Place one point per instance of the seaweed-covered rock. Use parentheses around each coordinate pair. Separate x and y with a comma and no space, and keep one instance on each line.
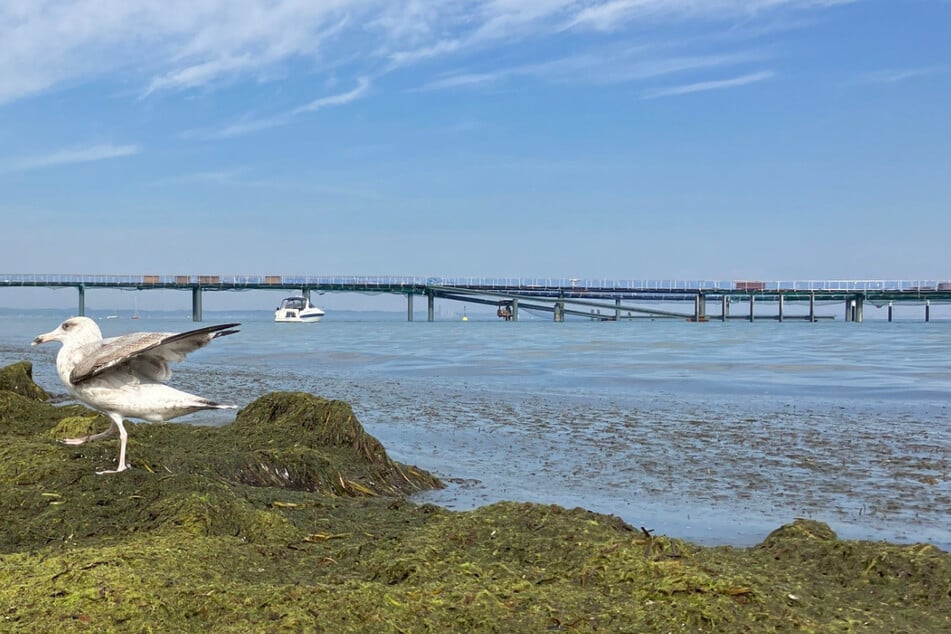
(303,441)
(21,416)
(284,439)
(831,573)
(800,530)
(194,478)
(18,378)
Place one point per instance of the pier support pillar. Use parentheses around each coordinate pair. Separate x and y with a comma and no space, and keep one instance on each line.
(82,299)
(700,307)
(617,309)
(196,303)
(559,311)
(305,293)
(855,309)
(514,309)
(430,305)
(782,301)
(409,307)
(812,307)
(752,304)
(891,307)
(927,310)
(724,308)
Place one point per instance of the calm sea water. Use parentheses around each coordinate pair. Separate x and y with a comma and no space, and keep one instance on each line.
(714,432)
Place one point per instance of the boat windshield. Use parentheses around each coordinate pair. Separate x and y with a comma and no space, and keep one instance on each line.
(294,302)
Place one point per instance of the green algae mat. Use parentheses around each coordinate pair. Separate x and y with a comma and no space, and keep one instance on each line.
(293,519)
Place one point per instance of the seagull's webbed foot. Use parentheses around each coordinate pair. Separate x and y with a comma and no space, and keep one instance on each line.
(119,470)
(75,441)
(84,439)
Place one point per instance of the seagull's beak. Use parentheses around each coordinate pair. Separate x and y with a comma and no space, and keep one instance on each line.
(49,336)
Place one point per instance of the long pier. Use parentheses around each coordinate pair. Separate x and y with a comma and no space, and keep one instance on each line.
(560,297)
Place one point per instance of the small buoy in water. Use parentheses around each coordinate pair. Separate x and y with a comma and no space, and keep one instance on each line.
(465,318)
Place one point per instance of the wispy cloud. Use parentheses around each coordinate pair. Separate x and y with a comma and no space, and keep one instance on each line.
(497,21)
(703,86)
(250,125)
(363,86)
(898,75)
(240,128)
(199,74)
(611,15)
(165,46)
(233,176)
(73,155)
(462,80)
(607,66)
(615,14)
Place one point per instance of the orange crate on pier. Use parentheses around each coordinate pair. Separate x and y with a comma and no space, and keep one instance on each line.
(209,279)
(272,279)
(750,286)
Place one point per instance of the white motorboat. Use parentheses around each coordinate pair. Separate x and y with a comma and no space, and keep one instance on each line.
(297,310)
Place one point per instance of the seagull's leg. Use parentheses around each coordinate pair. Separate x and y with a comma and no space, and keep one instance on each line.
(123,437)
(84,439)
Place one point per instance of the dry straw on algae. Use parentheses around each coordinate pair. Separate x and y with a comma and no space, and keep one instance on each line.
(294,519)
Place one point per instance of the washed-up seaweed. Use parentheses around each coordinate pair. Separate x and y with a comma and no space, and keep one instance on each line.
(292,519)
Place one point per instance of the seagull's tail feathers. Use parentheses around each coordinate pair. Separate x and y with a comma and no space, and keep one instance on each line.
(190,406)
(207,404)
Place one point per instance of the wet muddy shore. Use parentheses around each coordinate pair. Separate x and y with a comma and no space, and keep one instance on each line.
(293,518)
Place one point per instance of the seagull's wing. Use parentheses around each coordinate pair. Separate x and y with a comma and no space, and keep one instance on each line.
(146,353)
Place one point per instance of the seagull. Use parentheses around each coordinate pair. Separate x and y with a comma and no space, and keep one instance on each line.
(125,376)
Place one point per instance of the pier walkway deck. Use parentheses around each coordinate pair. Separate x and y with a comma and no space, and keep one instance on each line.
(575,296)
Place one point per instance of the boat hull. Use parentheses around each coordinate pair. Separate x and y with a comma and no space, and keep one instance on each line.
(285,317)
(297,310)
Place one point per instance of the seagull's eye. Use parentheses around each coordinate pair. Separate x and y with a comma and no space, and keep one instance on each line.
(67,326)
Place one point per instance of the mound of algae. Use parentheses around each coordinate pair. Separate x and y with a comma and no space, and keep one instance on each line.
(293,519)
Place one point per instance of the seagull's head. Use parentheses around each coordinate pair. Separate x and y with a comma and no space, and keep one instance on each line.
(76,330)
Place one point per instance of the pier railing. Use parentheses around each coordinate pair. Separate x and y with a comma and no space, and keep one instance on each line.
(370,282)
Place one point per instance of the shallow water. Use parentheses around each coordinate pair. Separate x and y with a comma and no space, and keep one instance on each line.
(714,432)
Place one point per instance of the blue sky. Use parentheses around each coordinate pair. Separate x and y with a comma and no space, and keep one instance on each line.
(629,139)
